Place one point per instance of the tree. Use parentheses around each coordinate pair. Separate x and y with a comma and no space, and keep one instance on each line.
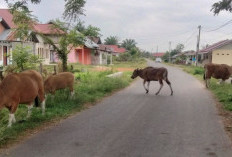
(165,57)
(134,51)
(24,22)
(112,40)
(69,40)
(23,59)
(88,31)
(222,5)
(179,48)
(72,10)
(128,44)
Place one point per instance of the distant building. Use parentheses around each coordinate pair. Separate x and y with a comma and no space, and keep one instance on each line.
(8,41)
(219,53)
(158,56)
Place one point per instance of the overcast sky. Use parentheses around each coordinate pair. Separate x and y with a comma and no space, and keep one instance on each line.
(151,23)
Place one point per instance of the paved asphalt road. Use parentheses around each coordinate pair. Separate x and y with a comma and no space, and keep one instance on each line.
(131,123)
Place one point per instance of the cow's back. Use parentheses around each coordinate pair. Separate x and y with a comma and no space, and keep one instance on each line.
(153,73)
(23,86)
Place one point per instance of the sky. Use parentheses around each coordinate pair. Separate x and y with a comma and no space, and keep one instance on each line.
(151,23)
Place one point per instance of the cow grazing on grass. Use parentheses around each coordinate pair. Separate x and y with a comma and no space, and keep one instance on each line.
(217,71)
(152,74)
(59,81)
(21,88)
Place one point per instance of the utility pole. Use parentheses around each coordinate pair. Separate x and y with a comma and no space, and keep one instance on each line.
(157,48)
(198,43)
(170,51)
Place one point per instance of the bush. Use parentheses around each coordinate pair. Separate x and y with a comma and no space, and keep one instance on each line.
(198,71)
(23,59)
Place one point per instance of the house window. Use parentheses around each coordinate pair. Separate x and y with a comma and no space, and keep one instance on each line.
(1,53)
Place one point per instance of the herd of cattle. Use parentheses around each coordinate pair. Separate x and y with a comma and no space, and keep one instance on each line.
(29,86)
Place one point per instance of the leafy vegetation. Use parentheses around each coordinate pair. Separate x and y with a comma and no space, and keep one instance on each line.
(112,40)
(222,5)
(129,44)
(89,30)
(23,59)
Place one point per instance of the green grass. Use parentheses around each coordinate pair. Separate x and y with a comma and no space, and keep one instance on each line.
(140,63)
(223,92)
(90,87)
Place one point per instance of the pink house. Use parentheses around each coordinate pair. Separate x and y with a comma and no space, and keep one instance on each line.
(86,54)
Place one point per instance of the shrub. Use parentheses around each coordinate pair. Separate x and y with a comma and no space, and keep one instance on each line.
(23,59)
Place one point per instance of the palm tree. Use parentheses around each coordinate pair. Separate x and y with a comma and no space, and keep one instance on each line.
(128,44)
(112,40)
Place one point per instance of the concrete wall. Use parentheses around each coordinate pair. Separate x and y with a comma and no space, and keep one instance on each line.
(223,55)
(73,55)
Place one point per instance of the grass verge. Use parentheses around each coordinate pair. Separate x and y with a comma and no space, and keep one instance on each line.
(90,87)
(223,92)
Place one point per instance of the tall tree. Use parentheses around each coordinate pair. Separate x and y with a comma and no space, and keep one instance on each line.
(179,48)
(128,44)
(24,22)
(112,40)
(222,5)
(72,10)
(88,31)
(69,40)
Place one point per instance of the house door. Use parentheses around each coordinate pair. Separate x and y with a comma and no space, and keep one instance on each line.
(80,57)
(4,55)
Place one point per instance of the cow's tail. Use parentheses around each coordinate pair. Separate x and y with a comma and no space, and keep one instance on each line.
(37,101)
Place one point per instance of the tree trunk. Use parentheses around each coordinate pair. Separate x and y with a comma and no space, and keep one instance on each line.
(64,64)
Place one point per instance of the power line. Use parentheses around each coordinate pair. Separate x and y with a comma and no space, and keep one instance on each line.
(186,41)
(228,22)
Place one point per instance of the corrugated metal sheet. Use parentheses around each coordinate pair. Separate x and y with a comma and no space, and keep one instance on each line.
(215,46)
(90,44)
(5,34)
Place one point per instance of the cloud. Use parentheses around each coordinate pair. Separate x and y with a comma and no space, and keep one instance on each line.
(151,23)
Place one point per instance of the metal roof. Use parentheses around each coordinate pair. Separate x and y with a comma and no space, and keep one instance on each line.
(215,46)
(5,34)
(90,44)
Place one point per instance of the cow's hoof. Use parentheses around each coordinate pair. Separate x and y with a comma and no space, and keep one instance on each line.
(147,91)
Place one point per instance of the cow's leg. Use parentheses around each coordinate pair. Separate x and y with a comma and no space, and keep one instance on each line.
(207,82)
(161,86)
(169,84)
(148,84)
(144,82)
(29,108)
(42,99)
(11,115)
(72,92)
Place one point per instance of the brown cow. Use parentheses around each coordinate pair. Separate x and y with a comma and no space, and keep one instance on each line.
(152,74)
(59,81)
(21,88)
(218,71)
